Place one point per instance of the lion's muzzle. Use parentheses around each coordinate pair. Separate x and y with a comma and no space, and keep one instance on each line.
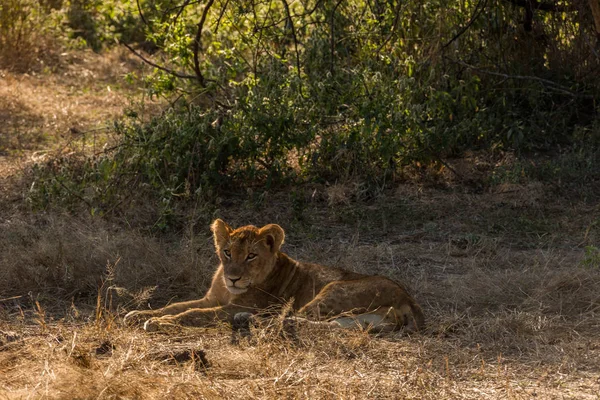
(237,285)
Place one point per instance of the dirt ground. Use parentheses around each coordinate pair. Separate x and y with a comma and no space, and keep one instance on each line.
(508,278)
(71,106)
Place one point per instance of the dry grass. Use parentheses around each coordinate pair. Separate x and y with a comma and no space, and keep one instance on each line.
(512,310)
(63,257)
(509,316)
(68,108)
(29,38)
(64,110)
(70,360)
(84,94)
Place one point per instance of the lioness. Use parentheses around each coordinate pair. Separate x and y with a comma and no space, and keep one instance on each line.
(254,275)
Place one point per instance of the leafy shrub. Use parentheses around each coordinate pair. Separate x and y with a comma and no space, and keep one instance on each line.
(367,69)
(100,23)
(337,90)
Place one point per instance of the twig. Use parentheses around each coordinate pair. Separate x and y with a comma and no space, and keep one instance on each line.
(140,12)
(221,16)
(10,298)
(257,48)
(295,16)
(72,192)
(181,8)
(167,70)
(478,11)
(449,167)
(553,85)
(108,149)
(333,36)
(293,30)
(309,12)
(132,183)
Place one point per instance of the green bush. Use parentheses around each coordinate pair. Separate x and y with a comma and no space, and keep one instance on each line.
(328,91)
(103,23)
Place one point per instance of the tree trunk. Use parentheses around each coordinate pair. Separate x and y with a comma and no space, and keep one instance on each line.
(595,6)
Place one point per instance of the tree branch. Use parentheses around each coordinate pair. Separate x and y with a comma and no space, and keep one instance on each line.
(552,85)
(197,46)
(293,31)
(221,16)
(332,44)
(167,70)
(71,192)
(536,5)
(595,7)
(140,12)
(181,8)
(307,13)
(478,11)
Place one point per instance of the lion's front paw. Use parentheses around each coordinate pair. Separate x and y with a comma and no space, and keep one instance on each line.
(151,325)
(130,317)
(158,323)
(137,317)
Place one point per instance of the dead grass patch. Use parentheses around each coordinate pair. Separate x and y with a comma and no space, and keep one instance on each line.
(323,364)
(68,258)
(63,111)
(76,102)
(503,321)
(512,311)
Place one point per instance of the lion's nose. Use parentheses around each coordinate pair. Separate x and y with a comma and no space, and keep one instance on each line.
(234,280)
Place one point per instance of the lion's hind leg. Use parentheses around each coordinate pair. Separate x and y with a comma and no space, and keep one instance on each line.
(379,321)
(373,302)
(384,319)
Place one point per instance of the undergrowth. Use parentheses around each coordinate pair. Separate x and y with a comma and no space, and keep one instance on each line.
(275,95)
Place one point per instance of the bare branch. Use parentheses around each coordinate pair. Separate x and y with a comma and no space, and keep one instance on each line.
(140,12)
(167,70)
(551,85)
(478,11)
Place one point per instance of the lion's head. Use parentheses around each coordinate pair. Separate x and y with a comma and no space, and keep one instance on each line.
(247,254)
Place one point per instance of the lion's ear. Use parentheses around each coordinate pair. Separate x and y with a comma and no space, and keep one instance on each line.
(220,232)
(273,235)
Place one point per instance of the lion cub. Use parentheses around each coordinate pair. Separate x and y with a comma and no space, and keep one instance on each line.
(254,275)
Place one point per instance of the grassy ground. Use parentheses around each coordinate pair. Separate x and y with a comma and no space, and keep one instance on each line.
(508,279)
(67,108)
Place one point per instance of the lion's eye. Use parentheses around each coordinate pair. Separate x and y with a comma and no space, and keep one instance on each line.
(227,253)
(250,257)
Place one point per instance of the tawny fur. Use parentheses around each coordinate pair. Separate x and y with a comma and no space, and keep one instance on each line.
(254,275)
